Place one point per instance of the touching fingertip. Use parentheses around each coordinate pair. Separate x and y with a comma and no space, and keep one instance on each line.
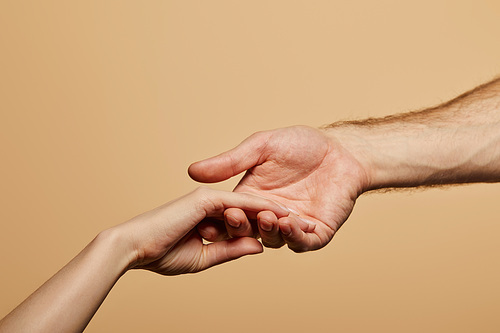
(310,224)
(232,221)
(285,229)
(255,245)
(266,225)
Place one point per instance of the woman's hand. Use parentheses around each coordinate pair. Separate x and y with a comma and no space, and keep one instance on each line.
(165,240)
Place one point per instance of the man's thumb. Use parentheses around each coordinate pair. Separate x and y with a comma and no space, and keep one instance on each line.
(228,164)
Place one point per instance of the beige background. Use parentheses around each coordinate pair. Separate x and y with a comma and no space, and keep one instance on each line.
(103,105)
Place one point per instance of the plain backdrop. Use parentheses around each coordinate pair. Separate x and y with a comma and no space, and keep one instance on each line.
(104,104)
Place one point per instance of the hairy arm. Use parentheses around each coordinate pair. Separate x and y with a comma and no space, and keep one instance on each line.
(457,142)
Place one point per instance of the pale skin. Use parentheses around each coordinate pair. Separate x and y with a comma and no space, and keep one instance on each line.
(319,173)
(163,240)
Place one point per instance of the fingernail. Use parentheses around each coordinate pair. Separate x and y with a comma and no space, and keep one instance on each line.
(266,226)
(233,222)
(285,229)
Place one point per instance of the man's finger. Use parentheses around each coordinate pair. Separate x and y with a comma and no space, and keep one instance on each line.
(228,164)
(305,225)
(296,239)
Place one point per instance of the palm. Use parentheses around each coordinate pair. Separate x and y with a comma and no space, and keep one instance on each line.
(299,167)
(320,184)
(185,257)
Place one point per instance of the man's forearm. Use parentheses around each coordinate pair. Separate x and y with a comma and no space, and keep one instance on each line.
(457,142)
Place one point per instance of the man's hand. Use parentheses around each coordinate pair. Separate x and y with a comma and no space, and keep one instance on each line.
(319,174)
(300,167)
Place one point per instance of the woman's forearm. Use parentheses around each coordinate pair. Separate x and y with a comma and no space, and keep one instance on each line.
(163,240)
(457,142)
(67,301)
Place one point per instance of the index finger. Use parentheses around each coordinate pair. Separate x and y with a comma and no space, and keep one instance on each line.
(216,202)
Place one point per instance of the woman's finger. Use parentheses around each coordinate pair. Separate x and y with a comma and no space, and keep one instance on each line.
(215,202)
(269,230)
(221,252)
(212,230)
(237,223)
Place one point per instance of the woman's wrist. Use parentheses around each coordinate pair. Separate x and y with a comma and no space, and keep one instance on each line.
(117,246)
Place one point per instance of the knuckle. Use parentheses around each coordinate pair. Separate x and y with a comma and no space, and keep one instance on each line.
(259,134)
(202,191)
(205,200)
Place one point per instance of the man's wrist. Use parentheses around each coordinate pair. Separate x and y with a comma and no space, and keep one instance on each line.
(353,141)
(384,152)
(409,153)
